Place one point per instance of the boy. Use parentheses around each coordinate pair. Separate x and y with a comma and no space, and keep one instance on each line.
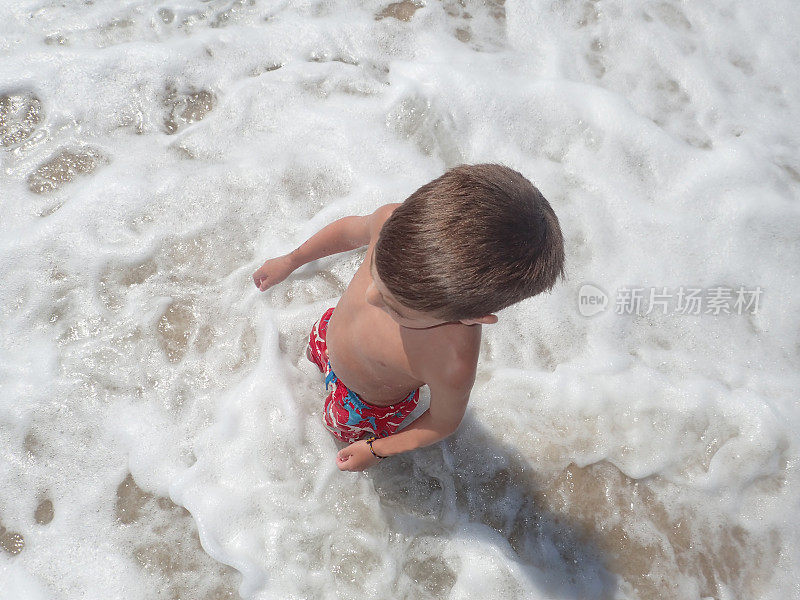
(438,266)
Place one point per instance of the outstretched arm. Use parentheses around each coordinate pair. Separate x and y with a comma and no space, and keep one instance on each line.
(342,235)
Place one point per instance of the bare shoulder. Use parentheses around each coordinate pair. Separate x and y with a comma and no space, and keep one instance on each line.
(378,218)
(450,359)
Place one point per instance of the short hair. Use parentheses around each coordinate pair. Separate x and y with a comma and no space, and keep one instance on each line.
(469,243)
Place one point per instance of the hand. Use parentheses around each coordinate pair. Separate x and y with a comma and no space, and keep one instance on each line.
(355,457)
(273,272)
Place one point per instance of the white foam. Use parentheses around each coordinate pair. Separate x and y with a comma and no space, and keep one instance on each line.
(155,153)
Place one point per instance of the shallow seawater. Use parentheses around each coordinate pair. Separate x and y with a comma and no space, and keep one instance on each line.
(159,424)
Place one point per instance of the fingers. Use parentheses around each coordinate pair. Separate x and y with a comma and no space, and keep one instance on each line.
(259,277)
(260,280)
(341,461)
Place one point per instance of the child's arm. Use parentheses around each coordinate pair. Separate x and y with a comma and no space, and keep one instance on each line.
(345,234)
(449,396)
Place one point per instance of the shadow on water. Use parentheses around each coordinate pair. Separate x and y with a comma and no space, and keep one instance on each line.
(475,483)
(585,532)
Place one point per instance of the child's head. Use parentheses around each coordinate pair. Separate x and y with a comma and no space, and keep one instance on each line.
(472,242)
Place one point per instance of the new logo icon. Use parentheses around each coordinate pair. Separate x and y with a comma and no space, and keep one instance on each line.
(591,300)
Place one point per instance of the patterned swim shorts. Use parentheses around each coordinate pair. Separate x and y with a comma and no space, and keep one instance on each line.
(346,415)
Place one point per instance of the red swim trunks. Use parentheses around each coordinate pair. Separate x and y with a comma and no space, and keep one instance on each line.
(346,415)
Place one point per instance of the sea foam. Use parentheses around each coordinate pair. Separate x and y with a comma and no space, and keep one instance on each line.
(160,425)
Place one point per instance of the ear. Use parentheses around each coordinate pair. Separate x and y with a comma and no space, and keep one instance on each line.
(484,320)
